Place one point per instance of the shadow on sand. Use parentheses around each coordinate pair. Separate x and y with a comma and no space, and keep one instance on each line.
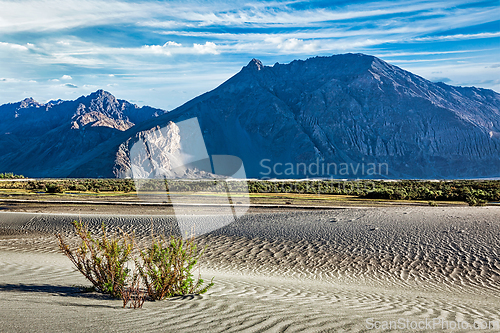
(74,291)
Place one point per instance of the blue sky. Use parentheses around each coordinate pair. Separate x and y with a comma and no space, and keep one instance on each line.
(163,53)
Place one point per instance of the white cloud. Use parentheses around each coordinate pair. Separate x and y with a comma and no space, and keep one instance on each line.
(162,49)
(207,48)
(15,46)
(170,48)
(66,77)
(159,24)
(9,80)
(458,37)
(171,43)
(293,44)
(273,30)
(158,49)
(280,15)
(33,15)
(421,53)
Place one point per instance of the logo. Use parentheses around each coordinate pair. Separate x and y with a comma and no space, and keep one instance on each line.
(170,164)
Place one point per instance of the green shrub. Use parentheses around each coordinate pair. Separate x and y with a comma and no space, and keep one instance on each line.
(10,175)
(54,188)
(102,261)
(474,201)
(380,194)
(399,194)
(165,268)
(77,187)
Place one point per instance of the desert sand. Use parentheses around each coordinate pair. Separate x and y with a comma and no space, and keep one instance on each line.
(337,270)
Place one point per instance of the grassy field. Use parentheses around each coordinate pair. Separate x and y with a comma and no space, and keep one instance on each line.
(320,192)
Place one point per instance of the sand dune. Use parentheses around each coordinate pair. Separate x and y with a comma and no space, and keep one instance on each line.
(335,270)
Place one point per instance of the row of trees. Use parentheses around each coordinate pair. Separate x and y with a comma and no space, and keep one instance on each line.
(10,175)
(473,192)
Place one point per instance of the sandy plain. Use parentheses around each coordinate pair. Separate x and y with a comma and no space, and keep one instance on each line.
(276,270)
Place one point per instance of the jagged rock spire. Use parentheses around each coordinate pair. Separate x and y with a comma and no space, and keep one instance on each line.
(255,64)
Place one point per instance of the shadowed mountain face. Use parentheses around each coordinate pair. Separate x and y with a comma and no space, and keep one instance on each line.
(37,139)
(345,116)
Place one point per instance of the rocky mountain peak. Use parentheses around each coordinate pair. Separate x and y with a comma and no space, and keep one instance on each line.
(100,94)
(101,97)
(101,102)
(55,102)
(102,109)
(255,64)
(29,102)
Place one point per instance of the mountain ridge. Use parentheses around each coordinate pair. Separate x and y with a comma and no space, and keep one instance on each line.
(349,108)
(37,138)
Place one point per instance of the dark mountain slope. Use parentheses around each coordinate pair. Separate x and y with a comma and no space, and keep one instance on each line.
(351,108)
(356,114)
(36,139)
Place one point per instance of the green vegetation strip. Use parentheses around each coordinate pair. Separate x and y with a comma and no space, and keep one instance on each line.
(10,175)
(474,192)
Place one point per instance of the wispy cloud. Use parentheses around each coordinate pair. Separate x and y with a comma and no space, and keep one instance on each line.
(458,37)
(33,15)
(207,48)
(293,44)
(4,79)
(13,46)
(123,44)
(171,47)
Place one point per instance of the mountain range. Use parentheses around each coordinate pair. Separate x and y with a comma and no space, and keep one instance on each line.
(344,116)
(43,140)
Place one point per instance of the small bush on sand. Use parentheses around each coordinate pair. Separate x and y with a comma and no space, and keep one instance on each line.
(162,270)
(102,261)
(165,268)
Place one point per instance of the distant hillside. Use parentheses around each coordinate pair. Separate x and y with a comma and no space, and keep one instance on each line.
(39,139)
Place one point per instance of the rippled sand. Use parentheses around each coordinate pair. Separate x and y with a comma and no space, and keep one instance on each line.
(331,270)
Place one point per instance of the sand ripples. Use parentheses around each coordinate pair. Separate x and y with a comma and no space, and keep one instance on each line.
(298,272)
